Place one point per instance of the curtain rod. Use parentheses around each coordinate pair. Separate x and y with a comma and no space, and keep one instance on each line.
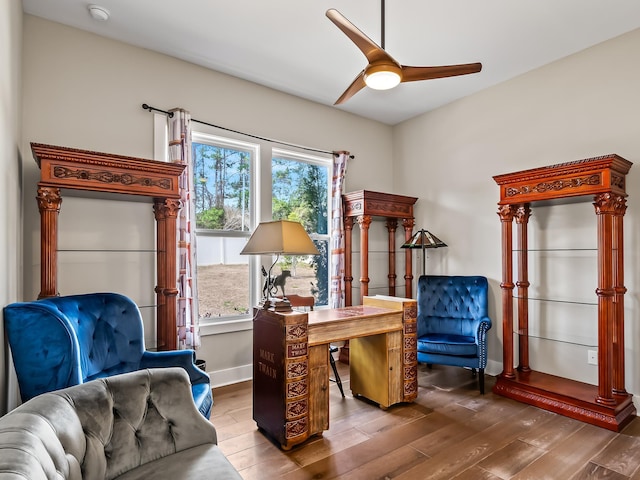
(170,114)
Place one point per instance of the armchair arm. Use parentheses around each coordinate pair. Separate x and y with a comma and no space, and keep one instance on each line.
(484,324)
(175,358)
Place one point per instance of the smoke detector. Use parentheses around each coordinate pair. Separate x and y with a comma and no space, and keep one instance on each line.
(98,13)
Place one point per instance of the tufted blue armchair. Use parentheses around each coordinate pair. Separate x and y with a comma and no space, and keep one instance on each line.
(63,341)
(453,322)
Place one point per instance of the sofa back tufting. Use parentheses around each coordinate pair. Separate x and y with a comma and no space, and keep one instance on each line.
(106,428)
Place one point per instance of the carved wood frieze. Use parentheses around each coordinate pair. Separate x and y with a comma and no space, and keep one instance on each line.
(365,202)
(110,177)
(590,176)
(87,170)
(556,185)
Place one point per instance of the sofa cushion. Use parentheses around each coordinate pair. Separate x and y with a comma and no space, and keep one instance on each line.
(447,344)
(201,462)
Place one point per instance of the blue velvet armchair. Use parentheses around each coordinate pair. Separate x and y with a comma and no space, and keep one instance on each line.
(453,322)
(63,341)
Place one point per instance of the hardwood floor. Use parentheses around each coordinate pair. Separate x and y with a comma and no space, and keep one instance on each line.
(451,431)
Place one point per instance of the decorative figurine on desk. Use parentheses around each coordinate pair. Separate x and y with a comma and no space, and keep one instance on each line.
(271,284)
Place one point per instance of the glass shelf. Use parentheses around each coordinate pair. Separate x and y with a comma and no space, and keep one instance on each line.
(533,250)
(106,250)
(565,322)
(576,302)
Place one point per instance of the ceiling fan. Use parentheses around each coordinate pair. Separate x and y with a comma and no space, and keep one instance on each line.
(383,71)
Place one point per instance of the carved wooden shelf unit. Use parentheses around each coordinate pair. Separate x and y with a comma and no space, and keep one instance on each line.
(62,167)
(601,179)
(362,206)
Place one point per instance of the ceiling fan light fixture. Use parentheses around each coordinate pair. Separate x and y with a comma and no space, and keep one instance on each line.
(382,77)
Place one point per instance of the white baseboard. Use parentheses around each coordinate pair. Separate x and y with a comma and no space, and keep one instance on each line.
(229,376)
(493,368)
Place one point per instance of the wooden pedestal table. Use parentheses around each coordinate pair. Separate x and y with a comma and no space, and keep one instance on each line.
(291,363)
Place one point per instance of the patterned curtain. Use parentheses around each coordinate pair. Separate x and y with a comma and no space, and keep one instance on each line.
(337,229)
(180,152)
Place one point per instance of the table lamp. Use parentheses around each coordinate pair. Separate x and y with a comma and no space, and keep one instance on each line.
(279,237)
(424,239)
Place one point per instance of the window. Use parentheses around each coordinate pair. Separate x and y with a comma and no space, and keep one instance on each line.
(294,186)
(299,188)
(223,172)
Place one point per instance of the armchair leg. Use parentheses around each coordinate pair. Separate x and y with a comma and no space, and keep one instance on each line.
(481,380)
(335,369)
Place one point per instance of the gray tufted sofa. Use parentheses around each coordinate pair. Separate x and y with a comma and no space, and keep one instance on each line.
(138,425)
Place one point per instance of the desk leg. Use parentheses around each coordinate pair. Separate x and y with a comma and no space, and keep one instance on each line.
(318,389)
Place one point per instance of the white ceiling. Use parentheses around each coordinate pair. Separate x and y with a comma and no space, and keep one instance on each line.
(290,45)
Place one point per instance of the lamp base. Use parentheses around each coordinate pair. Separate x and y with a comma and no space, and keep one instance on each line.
(276,304)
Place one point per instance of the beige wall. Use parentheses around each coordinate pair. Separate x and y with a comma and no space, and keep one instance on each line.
(10,165)
(583,106)
(85,91)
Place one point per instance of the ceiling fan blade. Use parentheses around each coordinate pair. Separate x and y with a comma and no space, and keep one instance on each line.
(412,74)
(357,85)
(371,50)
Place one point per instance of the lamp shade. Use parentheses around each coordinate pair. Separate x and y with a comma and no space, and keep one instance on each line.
(424,239)
(281,237)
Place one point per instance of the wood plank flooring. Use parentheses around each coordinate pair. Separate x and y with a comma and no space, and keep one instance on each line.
(450,432)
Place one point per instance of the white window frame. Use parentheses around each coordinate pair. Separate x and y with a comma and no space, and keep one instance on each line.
(233,323)
(323,162)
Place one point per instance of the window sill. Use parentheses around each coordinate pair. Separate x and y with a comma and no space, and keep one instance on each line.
(225,326)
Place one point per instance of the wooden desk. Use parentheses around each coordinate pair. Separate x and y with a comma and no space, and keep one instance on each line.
(291,363)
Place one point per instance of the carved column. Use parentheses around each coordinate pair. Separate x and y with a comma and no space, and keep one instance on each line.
(348,261)
(392,225)
(161,272)
(506,213)
(364,221)
(49,201)
(172,208)
(408,224)
(166,212)
(522,215)
(605,205)
(618,303)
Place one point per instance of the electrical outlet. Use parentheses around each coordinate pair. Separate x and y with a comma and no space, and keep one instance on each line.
(592,357)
